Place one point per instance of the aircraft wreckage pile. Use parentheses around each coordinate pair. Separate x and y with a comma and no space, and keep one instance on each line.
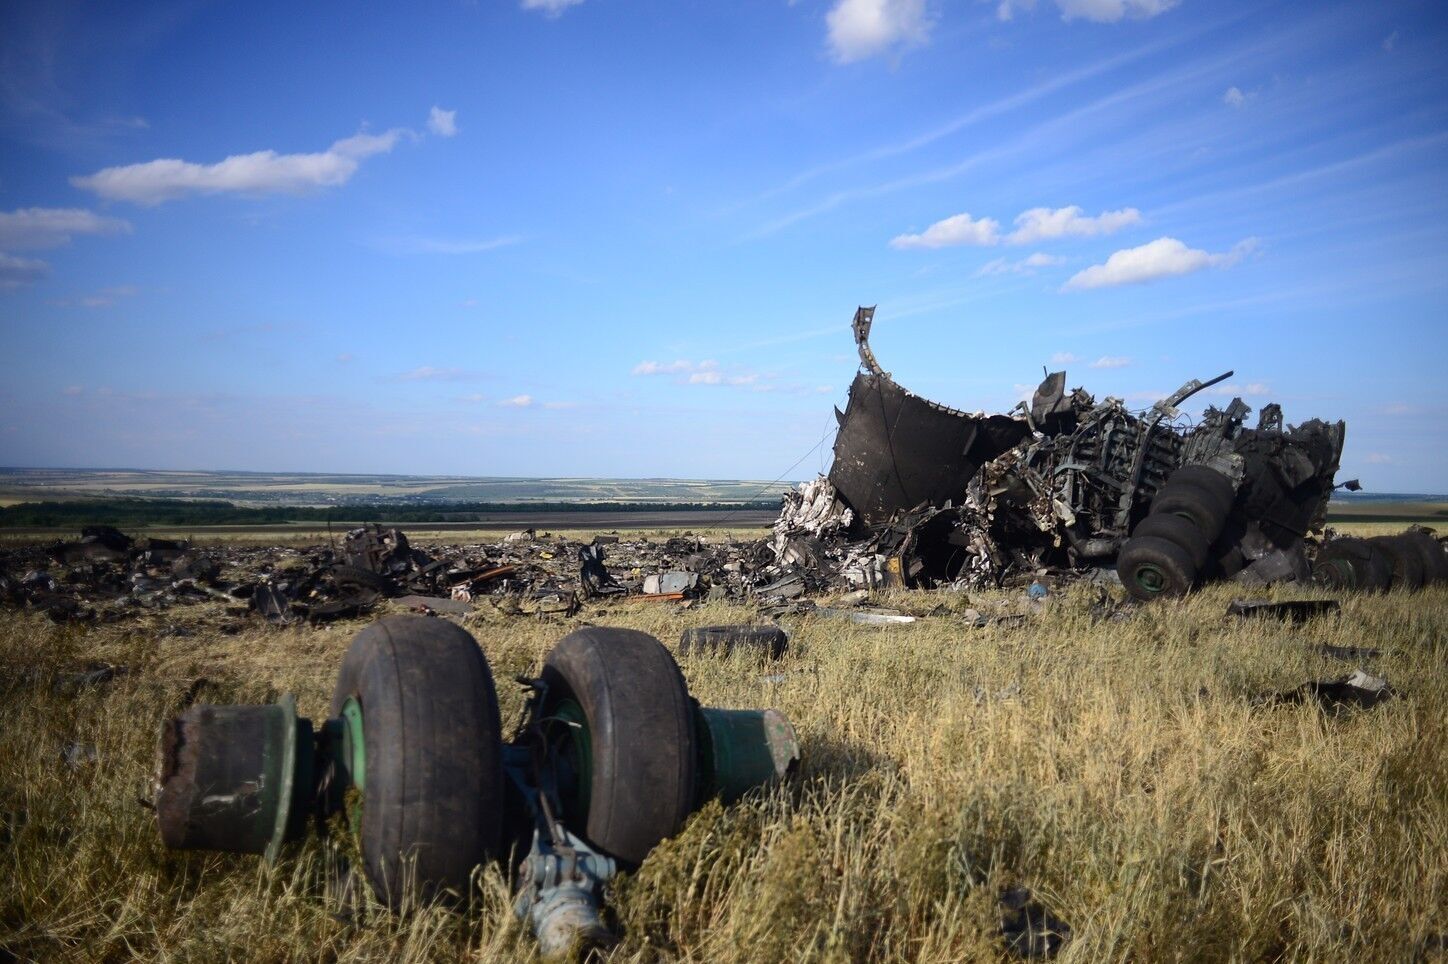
(919,496)
(923,495)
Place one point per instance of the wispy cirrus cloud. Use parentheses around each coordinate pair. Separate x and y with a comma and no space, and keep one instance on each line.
(425,245)
(858,29)
(257,173)
(32,228)
(1111,361)
(1162,258)
(1097,11)
(1027,265)
(430,373)
(104,298)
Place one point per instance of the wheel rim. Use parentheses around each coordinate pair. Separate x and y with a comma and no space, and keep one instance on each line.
(572,745)
(354,759)
(1150,578)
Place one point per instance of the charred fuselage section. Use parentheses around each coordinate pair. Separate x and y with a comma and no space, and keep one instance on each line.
(922,495)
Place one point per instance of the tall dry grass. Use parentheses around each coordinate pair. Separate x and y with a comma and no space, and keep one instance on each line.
(1116,767)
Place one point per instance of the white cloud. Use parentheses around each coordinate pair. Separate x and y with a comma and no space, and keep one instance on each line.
(1026,265)
(956,230)
(443,123)
(864,28)
(17,272)
(1111,361)
(663,368)
(1398,409)
(1064,358)
(1377,458)
(1006,9)
(1234,97)
(53,227)
(1110,11)
(1390,41)
(550,8)
(1233,390)
(427,373)
(261,172)
(517,401)
(1162,258)
(706,378)
(1039,224)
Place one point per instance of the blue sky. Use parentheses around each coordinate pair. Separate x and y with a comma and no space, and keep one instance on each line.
(609,238)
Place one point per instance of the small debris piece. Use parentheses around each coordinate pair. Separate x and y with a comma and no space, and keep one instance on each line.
(436,604)
(768,640)
(76,755)
(1356,691)
(866,617)
(1029,929)
(1293,610)
(670,582)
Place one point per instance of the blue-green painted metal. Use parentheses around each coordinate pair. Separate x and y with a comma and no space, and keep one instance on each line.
(743,749)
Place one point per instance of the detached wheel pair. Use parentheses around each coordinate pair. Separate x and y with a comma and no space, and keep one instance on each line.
(1172,546)
(424,747)
(1353,563)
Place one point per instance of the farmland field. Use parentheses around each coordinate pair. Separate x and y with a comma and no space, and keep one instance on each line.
(1115,764)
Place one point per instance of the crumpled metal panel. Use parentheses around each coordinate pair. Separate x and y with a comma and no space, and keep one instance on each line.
(896,450)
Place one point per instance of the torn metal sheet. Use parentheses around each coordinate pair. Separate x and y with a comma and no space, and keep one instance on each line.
(896,450)
(1292,610)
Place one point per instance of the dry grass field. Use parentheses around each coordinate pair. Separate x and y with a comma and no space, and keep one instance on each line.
(1117,767)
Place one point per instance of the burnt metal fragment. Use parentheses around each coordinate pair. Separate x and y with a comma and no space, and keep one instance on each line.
(1293,610)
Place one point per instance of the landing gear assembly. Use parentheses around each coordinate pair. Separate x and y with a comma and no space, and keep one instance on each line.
(611,757)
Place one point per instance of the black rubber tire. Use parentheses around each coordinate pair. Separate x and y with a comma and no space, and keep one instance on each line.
(641,727)
(1435,560)
(1169,563)
(771,641)
(1371,568)
(432,805)
(1196,504)
(1208,479)
(1174,528)
(344,575)
(1406,560)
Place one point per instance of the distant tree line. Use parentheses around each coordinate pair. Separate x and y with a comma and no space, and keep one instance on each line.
(181,512)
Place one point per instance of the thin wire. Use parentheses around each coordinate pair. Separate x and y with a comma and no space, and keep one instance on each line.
(769,485)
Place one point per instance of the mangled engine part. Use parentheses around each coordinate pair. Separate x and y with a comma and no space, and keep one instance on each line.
(611,757)
(896,451)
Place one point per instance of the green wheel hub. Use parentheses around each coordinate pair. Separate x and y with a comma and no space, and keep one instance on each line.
(569,734)
(1150,578)
(353,760)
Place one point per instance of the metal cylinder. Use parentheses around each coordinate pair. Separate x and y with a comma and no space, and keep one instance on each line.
(235,778)
(743,749)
